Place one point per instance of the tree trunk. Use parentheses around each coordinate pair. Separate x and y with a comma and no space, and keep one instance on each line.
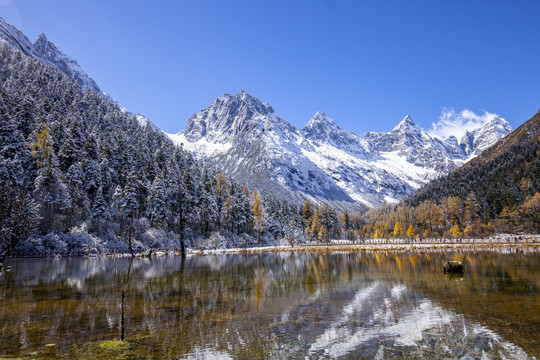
(122,319)
(5,253)
(181,231)
(2,257)
(182,245)
(130,230)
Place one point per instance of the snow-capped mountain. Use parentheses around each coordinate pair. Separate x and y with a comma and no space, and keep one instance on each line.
(251,143)
(247,140)
(46,52)
(322,129)
(476,141)
(64,63)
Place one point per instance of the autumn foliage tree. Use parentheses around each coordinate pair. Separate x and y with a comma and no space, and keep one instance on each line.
(259,216)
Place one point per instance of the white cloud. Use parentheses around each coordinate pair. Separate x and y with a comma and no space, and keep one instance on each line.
(453,123)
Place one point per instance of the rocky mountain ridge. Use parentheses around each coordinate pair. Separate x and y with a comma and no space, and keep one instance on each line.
(246,139)
(46,52)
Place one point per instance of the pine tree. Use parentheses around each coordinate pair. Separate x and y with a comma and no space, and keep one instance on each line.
(99,207)
(245,212)
(323,235)
(158,203)
(130,207)
(471,208)
(180,198)
(226,214)
(208,205)
(530,213)
(79,206)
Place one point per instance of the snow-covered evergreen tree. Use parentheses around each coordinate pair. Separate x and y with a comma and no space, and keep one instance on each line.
(158,202)
(99,207)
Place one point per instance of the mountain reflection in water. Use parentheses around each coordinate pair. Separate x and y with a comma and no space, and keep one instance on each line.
(294,305)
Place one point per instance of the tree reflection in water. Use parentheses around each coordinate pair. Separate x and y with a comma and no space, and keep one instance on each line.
(293,305)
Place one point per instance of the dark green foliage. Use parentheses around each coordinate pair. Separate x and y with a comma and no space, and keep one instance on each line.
(505,175)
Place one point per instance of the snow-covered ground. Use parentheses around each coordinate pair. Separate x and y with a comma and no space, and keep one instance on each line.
(159,242)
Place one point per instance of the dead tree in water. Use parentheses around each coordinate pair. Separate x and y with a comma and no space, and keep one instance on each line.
(122,319)
(181,229)
(123,303)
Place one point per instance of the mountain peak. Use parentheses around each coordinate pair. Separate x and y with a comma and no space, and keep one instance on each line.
(244,99)
(16,40)
(498,125)
(407,124)
(241,95)
(41,37)
(499,120)
(321,119)
(45,47)
(231,117)
(320,127)
(46,52)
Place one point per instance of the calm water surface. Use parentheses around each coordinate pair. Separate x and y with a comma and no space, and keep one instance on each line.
(302,305)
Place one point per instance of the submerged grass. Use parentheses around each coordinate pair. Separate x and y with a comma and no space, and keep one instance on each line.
(108,349)
(101,350)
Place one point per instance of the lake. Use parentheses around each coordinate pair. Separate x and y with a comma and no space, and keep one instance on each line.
(380,305)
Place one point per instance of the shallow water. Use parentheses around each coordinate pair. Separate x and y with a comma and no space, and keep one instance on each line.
(294,305)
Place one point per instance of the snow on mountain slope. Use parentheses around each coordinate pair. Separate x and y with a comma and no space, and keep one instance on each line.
(50,53)
(322,129)
(247,140)
(478,140)
(46,52)
(16,40)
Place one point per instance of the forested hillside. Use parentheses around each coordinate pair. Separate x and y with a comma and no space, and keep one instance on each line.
(505,179)
(78,173)
(497,191)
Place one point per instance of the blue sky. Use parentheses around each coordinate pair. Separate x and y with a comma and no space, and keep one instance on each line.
(364,63)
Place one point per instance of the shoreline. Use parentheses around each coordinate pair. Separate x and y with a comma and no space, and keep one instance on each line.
(364,248)
(372,245)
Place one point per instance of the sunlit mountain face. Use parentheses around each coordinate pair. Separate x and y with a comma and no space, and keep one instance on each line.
(247,139)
